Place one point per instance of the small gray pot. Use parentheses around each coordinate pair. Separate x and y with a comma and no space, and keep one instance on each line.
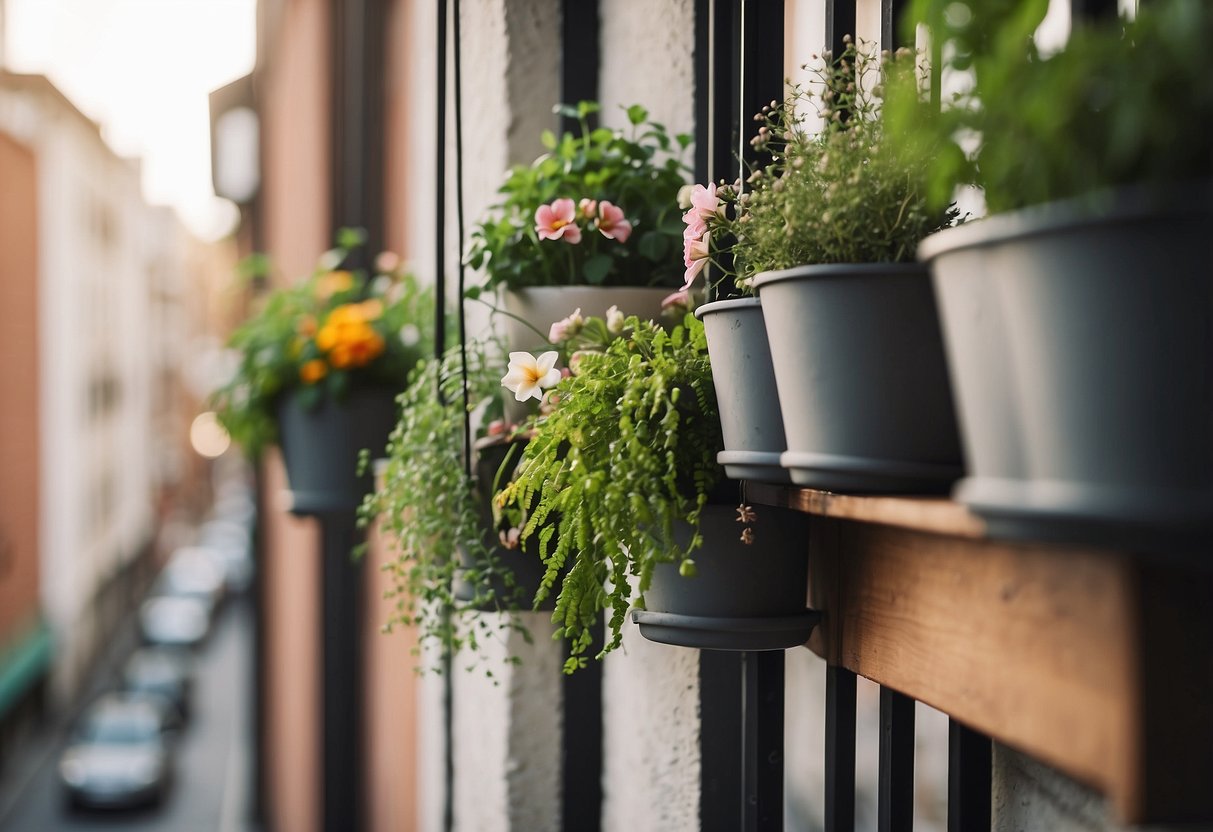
(743,596)
(320,447)
(517,572)
(745,390)
(542,306)
(863,384)
(1107,359)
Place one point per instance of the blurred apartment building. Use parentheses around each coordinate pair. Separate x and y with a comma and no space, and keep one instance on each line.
(94,284)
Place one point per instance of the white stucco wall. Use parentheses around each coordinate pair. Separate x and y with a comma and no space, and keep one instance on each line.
(507,733)
(648,58)
(650,714)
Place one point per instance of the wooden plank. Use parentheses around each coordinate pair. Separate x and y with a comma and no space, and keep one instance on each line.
(1095,662)
(926,514)
(1033,646)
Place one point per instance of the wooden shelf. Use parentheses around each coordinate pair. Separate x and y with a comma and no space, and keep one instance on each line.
(924,514)
(1097,662)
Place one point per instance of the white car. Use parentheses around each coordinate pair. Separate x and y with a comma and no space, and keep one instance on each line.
(119,755)
(193,572)
(174,621)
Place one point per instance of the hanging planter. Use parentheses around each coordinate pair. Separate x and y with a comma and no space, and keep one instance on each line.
(508,573)
(541,306)
(863,384)
(1105,373)
(742,596)
(321,445)
(744,378)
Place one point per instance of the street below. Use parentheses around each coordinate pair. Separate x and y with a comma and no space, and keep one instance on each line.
(211,787)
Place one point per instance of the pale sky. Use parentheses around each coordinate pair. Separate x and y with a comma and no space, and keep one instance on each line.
(143,69)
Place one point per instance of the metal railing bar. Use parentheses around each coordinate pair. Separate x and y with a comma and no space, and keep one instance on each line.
(762,740)
(896,784)
(840,750)
(968,779)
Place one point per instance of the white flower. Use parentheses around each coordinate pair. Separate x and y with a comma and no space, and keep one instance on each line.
(330,260)
(614,320)
(528,375)
(566,328)
(684,196)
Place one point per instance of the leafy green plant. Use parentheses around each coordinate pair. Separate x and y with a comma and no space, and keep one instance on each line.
(851,192)
(1123,102)
(617,472)
(432,513)
(598,208)
(337,330)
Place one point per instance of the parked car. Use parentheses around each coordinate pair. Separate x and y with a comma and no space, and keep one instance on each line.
(119,755)
(192,572)
(174,621)
(231,546)
(163,671)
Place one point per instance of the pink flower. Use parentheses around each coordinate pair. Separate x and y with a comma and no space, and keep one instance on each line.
(697,226)
(588,208)
(612,223)
(387,262)
(557,221)
(695,257)
(705,201)
(676,304)
(566,328)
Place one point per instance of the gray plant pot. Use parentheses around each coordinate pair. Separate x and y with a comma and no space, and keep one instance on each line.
(1107,312)
(745,390)
(320,447)
(542,306)
(743,596)
(516,572)
(863,383)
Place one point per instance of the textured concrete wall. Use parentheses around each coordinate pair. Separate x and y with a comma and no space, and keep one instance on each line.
(650,717)
(648,57)
(1029,796)
(508,733)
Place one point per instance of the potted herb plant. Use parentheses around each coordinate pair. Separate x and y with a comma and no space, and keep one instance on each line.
(1076,314)
(620,486)
(455,554)
(590,224)
(320,364)
(826,235)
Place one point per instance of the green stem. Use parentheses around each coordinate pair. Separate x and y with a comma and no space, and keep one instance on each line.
(499,311)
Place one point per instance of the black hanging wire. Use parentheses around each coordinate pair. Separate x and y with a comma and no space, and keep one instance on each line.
(463,335)
(448,659)
(440,199)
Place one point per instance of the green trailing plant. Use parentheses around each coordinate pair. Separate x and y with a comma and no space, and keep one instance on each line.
(617,472)
(1123,102)
(836,186)
(431,512)
(337,330)
(598,208)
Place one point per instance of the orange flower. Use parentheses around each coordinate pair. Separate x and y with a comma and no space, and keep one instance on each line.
(312,371)
(371,309)
(306,326)
(348,339)
(332,283)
